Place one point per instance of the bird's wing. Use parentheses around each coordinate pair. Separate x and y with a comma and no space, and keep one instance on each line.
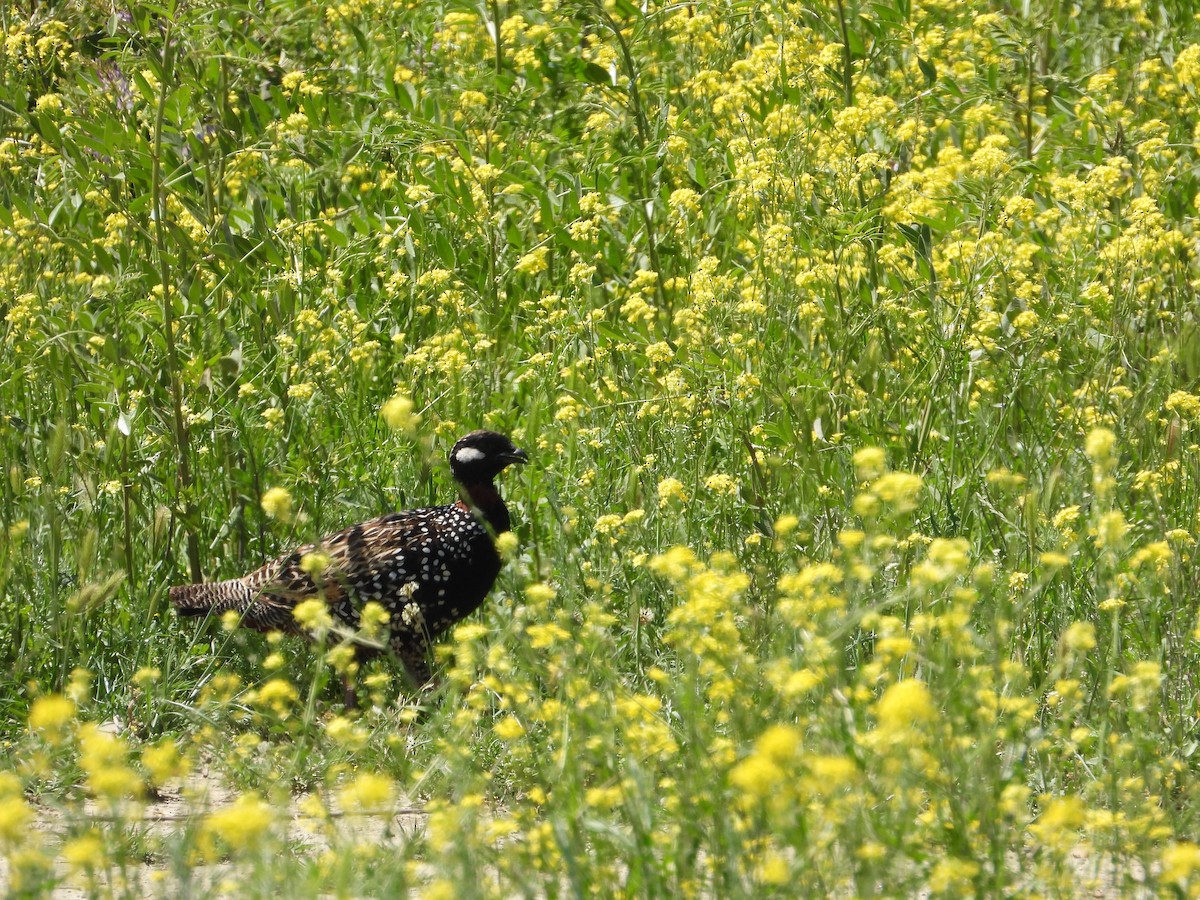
(372,559)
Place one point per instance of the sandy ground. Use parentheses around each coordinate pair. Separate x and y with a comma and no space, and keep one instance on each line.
(202,794)
(1096,877)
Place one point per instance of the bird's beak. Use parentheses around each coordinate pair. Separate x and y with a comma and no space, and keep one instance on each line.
(517,456)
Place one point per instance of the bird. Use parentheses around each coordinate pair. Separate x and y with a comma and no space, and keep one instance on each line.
(428,568)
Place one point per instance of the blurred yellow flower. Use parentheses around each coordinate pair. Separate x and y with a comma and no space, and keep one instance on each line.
(50,715)
(870,463)
(314,563)
(533,262)
(345,733)
(277,504)
(896,491)
(146,676)
(15,816)
(1099,446)
(164,761)
(374,618)
(313,615)
(1187,66)
(1079,637)
(278,694)
(242,824)
(103,756)
(508,728)
(85,852)
(758,776)
(1111,529)
(1060,821)
(398,414)
(540,594)
(785,525)
(368,792)
(1180,862)
(904,705)
(507,544)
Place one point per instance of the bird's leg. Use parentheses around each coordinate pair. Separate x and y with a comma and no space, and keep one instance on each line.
(415,657)
(349,692)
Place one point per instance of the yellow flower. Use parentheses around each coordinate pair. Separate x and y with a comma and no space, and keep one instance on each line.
(1062,817)
(676,564)
(506,544)
(770,765)
(533,262)
(15,816)
(302,391)
(898,491)
(102,756)
(870,463)
(163,761)
(1184,405)
(342,658)
(757,776)
(1052,561)
(545,634)
(50,715)
(1099,446)
(953,875)
(243,823)
(831,773)
(1180,861)
(368,793)
(851,539)
(314,563)
(84,852)
(785,525)
(313,615)
(346,733)
(147,675)
(603,798)
(670,490)
(277,504)
(540,594)
(1065,518)
(1111,529)
(1187,66)
(1079,637)
(508,728)
(774,869)
(279,694)
(722,484)
(905,705)
(49,103)
(374,618)
(947,558)
(398,414)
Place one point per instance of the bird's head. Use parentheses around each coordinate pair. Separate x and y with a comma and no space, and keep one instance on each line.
(481,455)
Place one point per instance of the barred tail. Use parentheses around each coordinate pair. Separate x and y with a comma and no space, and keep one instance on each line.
(258,611)
(215,597)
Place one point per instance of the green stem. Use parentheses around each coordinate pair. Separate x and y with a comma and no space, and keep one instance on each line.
(847,62)
(183,482)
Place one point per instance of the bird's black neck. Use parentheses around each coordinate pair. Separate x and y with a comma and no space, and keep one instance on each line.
(483,496)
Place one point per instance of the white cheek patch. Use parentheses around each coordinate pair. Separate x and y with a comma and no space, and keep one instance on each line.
(468,455)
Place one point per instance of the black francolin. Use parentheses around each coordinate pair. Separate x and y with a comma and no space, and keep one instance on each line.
(429,568)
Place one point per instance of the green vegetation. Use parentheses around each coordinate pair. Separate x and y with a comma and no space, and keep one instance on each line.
(856,345)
